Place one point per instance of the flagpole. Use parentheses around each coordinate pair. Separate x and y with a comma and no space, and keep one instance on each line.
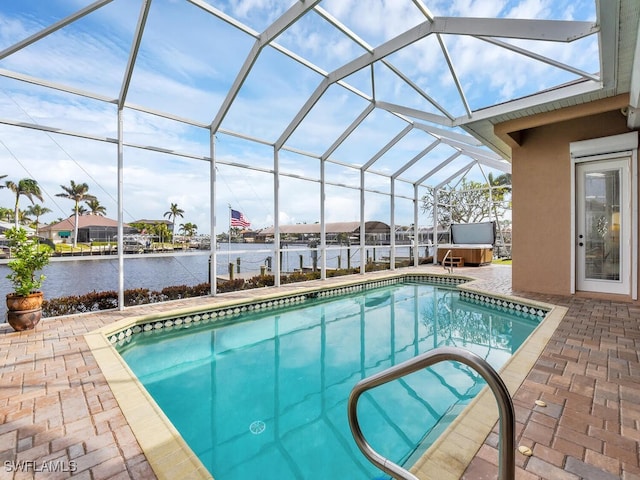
(229,244)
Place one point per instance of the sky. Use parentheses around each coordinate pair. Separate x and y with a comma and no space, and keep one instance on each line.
(188,61)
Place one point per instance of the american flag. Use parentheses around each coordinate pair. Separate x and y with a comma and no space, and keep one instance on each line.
(238,219)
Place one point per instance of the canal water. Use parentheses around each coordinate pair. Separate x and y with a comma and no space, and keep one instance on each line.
(80,275)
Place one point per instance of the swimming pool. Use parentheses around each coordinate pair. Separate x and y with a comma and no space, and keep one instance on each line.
(266,392)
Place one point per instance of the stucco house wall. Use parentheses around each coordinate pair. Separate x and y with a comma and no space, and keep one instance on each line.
(541,179)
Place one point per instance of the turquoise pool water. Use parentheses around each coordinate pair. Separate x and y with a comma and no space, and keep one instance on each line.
(265,395)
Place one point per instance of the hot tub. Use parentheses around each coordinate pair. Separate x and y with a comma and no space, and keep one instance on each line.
(474,254)
(471,242)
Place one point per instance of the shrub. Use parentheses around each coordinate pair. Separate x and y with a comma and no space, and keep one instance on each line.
(95,301)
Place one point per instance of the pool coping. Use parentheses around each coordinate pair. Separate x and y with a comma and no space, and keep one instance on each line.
(453,450)
(171,457)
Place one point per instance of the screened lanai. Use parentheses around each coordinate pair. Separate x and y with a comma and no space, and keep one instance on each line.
(287,111)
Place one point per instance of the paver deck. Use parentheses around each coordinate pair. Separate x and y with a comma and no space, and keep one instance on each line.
(59,417)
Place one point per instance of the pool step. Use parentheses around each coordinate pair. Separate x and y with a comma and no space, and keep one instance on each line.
(453,262)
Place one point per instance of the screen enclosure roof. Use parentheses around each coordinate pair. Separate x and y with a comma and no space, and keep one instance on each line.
(407,89)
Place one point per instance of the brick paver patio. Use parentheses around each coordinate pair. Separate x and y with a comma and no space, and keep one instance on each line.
(59,417)
(589,378)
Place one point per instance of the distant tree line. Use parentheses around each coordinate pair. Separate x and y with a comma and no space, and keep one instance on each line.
(84,203)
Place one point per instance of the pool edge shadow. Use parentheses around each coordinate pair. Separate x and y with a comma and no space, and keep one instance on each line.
(452,452)
(166,451)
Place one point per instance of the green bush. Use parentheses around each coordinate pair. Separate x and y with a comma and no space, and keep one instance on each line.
(96,301)
(27,258)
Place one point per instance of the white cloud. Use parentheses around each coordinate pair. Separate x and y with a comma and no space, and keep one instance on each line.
(185,67)
(472,8)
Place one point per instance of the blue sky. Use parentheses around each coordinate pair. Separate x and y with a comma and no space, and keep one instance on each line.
(188,60)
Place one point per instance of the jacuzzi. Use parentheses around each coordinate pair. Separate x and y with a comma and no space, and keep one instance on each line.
(471,242)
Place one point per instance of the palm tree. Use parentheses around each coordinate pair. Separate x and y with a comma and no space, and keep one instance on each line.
(161,230)
(23,218)
(173,213)
(95,208)
(5,213)
(77,193)
(27,187)
(82,210)
(188,229)
(37,211)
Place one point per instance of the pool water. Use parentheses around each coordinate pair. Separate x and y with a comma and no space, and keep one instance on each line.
(265,396)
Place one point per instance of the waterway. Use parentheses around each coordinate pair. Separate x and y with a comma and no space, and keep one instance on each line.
(80,275)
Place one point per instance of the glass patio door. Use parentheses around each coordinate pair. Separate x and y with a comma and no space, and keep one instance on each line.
(603,226)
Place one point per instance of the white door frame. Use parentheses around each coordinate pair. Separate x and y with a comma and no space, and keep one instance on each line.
(624,145)
(618,165)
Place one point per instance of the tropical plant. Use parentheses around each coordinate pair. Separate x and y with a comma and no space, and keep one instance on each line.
(468,202)
(27,187)
(188,229)
(161,230)
(24,218)
(5,213)
(173,213)
(28,257)
(77,193)
(95,208)
(37,211)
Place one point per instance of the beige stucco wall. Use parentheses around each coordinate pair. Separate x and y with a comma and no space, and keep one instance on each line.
(541,170)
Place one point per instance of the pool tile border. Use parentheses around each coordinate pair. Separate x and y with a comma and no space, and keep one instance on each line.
(125,335)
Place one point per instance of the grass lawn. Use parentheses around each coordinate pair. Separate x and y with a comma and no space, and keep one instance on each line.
(502,261)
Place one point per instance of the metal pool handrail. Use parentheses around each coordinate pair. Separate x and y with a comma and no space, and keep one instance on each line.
(444,261)
(506,462)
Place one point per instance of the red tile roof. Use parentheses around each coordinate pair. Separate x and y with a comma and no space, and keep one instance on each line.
(84,221)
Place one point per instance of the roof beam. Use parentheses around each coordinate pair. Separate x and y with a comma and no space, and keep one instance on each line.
(453,135)
(501,165)
(541,58)
(454,75)
(445,52)
(56,86)
(633,113)
(548,30)
(137,39)
(608,14)
(348,131)
(276,28)
(471,150)
(387,147)
(224,17)
(524,29)
(459,173)
(415,113)
(364,45)
(412,162)
(418,90)
(52,28)
(532,101)
(249,31)
(45,128)
(303,112)
(438,167)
